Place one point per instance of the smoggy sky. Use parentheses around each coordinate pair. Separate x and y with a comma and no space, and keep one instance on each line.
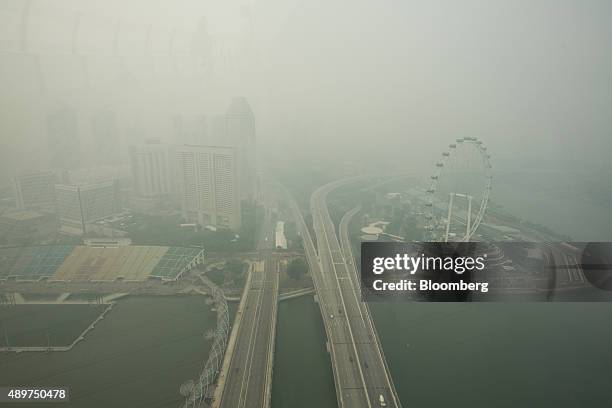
(378,79)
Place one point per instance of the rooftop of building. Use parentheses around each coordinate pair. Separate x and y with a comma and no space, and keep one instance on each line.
(22,215)
(95,264)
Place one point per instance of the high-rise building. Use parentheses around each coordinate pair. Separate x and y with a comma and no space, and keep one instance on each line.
(240,123)
(79,205)
(105,137)
(62,139)
(35,191)
(152,169)
(236,128)
(209,185)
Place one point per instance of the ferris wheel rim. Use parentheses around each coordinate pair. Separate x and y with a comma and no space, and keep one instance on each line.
(440,165)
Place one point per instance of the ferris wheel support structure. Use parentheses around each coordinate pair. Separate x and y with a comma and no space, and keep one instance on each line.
(472,222)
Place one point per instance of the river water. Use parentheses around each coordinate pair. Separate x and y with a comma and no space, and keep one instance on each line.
(571,203)
(302,369)
(461,355)
(498,354)
(138,356)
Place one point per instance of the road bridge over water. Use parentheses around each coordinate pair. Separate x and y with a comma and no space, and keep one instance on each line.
(361,375)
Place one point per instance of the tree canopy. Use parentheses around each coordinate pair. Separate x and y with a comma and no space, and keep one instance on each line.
(297,268)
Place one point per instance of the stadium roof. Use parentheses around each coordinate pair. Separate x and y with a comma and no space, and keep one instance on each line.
(95,264)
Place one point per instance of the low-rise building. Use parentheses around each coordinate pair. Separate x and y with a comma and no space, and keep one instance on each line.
(35,191)
(80,205)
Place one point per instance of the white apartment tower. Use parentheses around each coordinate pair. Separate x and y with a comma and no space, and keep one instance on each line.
(209,185)
(151,169)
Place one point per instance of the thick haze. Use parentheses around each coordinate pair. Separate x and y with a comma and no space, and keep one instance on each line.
(380,79)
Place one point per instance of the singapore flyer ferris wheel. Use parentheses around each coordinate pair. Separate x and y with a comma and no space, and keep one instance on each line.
(455,208)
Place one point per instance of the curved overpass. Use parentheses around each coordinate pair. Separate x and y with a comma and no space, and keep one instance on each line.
(360,371)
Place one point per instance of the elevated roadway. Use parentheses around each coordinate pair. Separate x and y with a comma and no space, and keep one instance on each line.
(248,380)
(360,372)
(247,377)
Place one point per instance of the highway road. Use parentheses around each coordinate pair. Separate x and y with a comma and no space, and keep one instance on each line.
(369,364)
(373,353)
(248,380)
(358,364)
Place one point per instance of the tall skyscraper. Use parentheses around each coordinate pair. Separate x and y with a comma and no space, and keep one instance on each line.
(105,137)
(35,191)
(209,185)
(62,139)
(236,128)
(79,205)
(152,169)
